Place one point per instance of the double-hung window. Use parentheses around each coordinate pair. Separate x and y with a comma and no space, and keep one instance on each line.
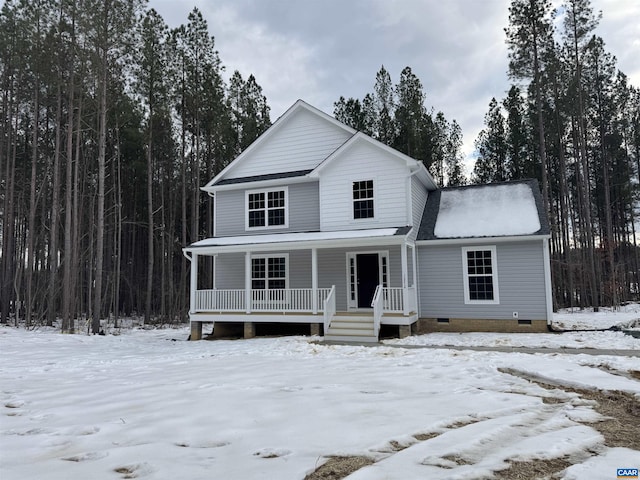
(267,208)
(269,273)
(363,199)
(480,275)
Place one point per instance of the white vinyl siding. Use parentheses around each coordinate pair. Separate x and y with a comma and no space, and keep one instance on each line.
(301,144)
(336,189)
(522,282)
(303,211)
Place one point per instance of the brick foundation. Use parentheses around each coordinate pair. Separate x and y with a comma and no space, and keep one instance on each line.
(428,325)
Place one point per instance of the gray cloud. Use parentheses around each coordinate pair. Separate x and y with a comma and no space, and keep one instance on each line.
(318,50)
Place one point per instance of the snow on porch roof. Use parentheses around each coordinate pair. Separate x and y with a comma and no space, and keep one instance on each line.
(303,238)
(494,210)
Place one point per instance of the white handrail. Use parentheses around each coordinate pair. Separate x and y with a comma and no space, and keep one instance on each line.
(378,307)
(329,306)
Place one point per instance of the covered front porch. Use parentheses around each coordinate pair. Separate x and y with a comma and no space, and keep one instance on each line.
(314,281)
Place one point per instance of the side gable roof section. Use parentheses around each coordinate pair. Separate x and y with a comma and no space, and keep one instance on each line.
(275,127)
(506,209)
(414,165)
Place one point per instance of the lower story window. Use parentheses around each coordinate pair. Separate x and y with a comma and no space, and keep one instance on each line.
(269,273)
(480,275)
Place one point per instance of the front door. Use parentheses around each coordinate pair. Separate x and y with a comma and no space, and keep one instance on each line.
(366,271)
(368,277)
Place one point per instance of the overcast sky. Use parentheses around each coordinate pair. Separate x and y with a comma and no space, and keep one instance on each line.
(318,50)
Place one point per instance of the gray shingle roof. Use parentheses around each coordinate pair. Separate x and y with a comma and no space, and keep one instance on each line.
(258,178)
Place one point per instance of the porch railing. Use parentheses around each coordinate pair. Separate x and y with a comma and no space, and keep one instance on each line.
(261,300)
(329,308)
(399,300)
(378,308)
(411,300)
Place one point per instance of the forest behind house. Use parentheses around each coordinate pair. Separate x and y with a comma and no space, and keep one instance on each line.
(111,122)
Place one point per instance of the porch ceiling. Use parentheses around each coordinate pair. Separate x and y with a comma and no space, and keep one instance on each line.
(300,241)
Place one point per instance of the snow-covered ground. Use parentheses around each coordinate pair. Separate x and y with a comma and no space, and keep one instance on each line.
(148,404)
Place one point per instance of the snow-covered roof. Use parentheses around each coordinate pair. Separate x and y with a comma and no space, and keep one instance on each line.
(493,210)
(302,239)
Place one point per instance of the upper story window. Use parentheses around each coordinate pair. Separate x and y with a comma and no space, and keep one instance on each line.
(363,199)
(480,275)
(267,208)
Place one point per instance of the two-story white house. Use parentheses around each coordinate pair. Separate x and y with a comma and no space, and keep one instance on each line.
(317,224)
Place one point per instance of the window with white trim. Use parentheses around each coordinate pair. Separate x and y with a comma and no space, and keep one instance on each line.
(480,275)
(269,272)
(267,208)
(363,199)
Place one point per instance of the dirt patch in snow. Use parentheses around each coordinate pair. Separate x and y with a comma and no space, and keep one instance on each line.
(534,469)
(620,427)
(336,468)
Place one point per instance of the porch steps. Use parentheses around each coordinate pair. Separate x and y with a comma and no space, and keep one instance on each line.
(351,328)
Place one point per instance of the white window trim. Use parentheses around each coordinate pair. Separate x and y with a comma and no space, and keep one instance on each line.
(277,255)
(353,201)
(266,191)
(494,275)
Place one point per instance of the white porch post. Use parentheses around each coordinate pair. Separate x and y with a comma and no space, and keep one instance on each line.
(314,280)
(414,256)
(194,282)
(415,268)
(405,275)
(547,280)
(213,272)
(247,281)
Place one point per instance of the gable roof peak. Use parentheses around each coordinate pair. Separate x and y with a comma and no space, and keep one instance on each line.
(278,125)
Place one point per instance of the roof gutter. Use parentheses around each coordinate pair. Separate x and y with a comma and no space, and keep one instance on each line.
(481,240)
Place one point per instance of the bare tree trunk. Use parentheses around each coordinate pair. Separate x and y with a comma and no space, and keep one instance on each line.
(68,206)
(8,255)
(118,241)
(55,214)
(147,310)
(31,265)
(102,151)
(75,221)
(7,169)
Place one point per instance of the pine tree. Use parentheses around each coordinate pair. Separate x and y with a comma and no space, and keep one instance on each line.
(528,35)
(454,167)
(518,159)
(492,147)
(409,114)
(384,104)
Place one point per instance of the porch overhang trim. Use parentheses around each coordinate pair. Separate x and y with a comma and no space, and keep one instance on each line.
(301,241)
(476,240)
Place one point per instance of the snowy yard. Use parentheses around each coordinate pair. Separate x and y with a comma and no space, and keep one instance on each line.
(148,404)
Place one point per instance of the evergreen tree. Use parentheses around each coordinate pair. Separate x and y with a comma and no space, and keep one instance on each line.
(518,160)
(454,167)
(384,104)
(528,35)
(350,112)
(410,115)
(492,147)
